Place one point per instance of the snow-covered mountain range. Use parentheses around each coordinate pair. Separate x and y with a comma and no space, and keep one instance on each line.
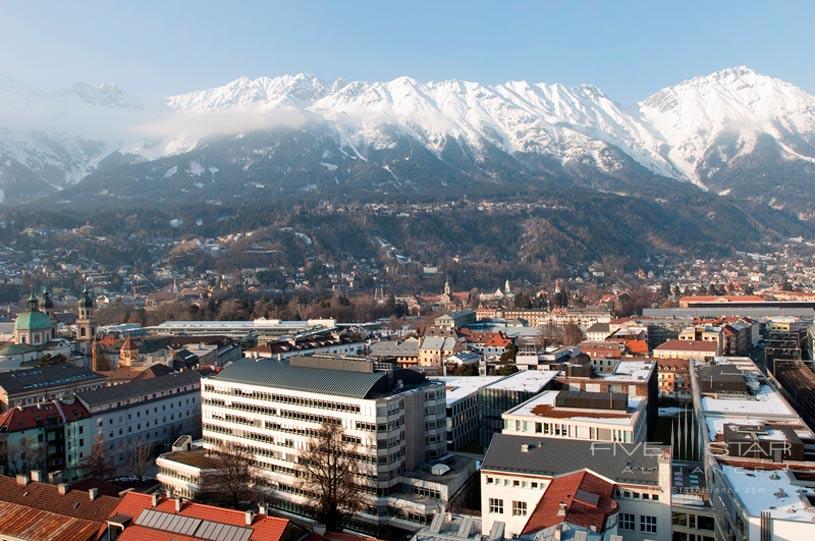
(712,131)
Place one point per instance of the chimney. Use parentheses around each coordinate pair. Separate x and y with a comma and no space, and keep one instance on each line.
(62,489)
(525,447)
(249,517)
(55,477)
(179,503)
(37,475)
(93,493)
(168,493)
(154,500)
(319,529)
(22,479)
(262,509)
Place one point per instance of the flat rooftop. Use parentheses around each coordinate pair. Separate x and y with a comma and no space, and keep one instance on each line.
(197,458)
(458,387)
(544,406)
(770,490)
(766,403)
(532,381)
(630,371)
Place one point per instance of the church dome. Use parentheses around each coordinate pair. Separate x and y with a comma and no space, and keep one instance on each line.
(32,321)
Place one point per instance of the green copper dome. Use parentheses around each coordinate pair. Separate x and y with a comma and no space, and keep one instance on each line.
(32,321)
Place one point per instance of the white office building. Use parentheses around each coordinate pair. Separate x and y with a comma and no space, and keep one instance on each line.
(396,419)
(580,415)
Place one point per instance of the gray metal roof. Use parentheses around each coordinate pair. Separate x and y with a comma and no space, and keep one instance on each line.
(624,463)
(192,527)
(278,373)
(138,387)
(44,377)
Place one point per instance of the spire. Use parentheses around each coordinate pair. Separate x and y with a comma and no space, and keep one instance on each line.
(32,302)
(447,286)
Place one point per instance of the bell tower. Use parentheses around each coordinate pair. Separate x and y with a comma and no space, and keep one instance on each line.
(85,322)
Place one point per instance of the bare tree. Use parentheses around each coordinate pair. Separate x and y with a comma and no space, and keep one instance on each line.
(138,460)
(232,477)
(552,333)
(329,468)
(99,464)
(24,456)
(572,335)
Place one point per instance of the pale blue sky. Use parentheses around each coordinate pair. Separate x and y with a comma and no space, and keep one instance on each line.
(627,48)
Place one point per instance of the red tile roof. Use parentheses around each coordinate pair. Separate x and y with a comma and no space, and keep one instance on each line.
(265,528)
(637,346)
(688,345)
(497,340)
(76,503)
(33,416)
(23,522)
(579,512)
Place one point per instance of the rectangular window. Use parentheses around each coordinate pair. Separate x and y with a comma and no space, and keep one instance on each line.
(648,524)
(518,509)
(628,521)
(496,506)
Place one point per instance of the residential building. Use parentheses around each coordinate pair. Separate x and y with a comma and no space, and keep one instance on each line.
(49,436)
(674,378)
(455,320)
(144,412)
(519,471)
(404,353)
(33,385)
(434,350)
(598,332)
(696,350)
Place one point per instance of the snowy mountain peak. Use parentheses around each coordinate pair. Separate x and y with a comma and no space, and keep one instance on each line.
(732,108)
(103,95)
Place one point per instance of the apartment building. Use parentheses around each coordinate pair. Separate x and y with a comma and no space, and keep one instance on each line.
(49,436)
(697,350)
(395,418)
(626,487)
(152,412)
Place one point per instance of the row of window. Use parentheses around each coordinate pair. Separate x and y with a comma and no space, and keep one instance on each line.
(647,523)
(284,399)
(496,506)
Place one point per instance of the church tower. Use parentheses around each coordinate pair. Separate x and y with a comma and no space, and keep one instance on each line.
(86,322)
(47,307)
(129,353)
(98,360)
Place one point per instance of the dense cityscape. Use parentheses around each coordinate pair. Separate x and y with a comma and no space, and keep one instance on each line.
(424,271)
